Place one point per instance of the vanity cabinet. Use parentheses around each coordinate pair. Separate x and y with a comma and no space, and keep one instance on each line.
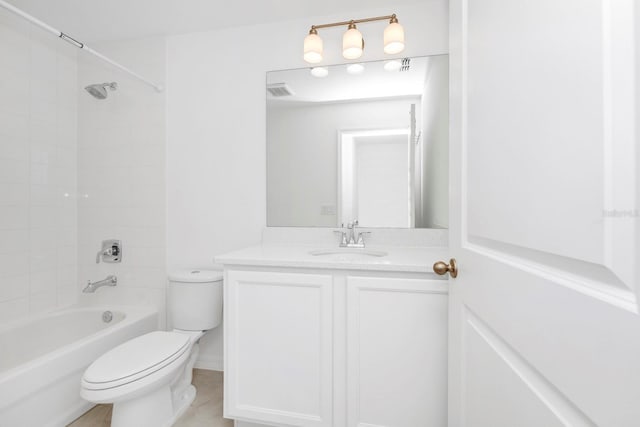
(396,352)
(335,348)
(278,347)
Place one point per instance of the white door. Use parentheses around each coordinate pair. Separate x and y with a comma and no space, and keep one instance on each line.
(544,325)
(382,196)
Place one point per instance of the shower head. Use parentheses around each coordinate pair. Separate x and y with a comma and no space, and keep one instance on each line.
(99,90)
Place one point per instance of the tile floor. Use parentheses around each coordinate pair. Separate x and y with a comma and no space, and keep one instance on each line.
(205,411)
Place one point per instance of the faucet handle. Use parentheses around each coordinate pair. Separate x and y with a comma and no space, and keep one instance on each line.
(111,251)
(343,237)
(361,236)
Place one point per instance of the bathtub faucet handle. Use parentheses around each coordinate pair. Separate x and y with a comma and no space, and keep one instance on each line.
(111,251)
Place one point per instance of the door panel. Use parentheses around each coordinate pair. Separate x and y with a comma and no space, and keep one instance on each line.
(497,391)
(544,218)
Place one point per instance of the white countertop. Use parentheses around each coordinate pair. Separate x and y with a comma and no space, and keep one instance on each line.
(400,259)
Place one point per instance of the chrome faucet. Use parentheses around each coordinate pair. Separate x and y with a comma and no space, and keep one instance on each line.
(353,239)
(111,280)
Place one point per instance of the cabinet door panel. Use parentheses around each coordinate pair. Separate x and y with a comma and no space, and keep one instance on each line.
(396,352)
(278,347)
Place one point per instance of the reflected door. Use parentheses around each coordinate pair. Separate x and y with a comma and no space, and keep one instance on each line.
(375,184)
(544,325)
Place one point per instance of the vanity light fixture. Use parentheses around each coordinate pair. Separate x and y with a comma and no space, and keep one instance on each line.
(352,40)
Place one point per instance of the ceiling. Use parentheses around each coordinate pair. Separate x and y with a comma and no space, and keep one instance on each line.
(373,83)
(99,20)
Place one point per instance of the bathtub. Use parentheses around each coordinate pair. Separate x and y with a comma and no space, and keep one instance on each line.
(42,360)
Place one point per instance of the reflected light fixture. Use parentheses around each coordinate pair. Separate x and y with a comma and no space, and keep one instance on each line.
(352,40)
(319,71)
(392,65)
(355,69)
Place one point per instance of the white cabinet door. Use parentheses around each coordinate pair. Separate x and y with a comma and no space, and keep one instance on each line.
(396,352)
(545,220)
(278,347)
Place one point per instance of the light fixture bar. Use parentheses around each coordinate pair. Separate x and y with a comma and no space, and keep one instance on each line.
(355,21)
(352,40)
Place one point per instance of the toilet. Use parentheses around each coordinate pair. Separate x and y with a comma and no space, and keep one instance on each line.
(148,378)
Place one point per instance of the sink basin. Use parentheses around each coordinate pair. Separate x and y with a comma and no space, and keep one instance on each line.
(347,254)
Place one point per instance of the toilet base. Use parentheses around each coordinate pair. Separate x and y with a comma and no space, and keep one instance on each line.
(161,407)
(153,409)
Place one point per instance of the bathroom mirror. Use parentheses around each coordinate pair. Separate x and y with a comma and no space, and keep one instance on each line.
(365,141)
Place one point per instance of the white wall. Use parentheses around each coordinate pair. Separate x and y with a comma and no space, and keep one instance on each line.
(121,175)
(435,143)
(216,125)
(302,155)
(38,93)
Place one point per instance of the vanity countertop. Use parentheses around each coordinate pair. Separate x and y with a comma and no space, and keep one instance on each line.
(399,259)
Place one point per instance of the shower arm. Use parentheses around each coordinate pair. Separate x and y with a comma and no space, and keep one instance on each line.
(76,43)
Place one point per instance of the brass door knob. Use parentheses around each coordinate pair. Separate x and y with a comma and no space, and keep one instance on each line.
(441,268)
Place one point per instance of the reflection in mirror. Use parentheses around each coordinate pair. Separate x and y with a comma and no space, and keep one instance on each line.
(359,141)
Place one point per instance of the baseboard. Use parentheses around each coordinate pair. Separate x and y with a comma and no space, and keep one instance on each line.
(209,364)
(247,424)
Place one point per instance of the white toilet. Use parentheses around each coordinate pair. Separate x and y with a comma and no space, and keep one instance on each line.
(148,379)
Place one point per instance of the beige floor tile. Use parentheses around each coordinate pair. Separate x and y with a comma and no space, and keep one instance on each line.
(205,411)
(98,416)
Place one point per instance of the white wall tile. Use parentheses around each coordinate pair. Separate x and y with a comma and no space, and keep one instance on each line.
(14,172)
(14,264)
(38,108)
(13,309)
(121,176)
(14,287)
(43,282)
(14,194)
(14,241)
(14,217)
(44,301)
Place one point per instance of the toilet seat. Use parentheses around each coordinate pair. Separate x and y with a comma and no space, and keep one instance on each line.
(136,359)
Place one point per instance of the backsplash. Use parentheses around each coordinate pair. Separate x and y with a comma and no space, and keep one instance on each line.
(325,237)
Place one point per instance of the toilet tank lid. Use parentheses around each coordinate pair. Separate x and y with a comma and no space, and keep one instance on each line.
(196,276)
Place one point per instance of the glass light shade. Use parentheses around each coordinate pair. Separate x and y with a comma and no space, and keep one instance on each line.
(312,48)
(352,44)
(393,38)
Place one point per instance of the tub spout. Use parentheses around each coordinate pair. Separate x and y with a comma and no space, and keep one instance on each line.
(109,281)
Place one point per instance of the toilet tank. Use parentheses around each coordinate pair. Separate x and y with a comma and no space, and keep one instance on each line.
(195,299)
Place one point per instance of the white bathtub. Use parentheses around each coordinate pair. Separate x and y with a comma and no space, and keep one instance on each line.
(42,360)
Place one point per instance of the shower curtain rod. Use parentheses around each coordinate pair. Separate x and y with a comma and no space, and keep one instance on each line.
(76,43)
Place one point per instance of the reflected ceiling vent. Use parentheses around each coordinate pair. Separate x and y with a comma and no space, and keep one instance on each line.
(279,89)
(406,64)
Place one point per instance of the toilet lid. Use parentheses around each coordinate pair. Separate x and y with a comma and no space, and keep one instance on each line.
(136,358)
(196,276)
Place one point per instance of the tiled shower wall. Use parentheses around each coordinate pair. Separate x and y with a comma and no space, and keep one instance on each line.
(38,97)
(121,175)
